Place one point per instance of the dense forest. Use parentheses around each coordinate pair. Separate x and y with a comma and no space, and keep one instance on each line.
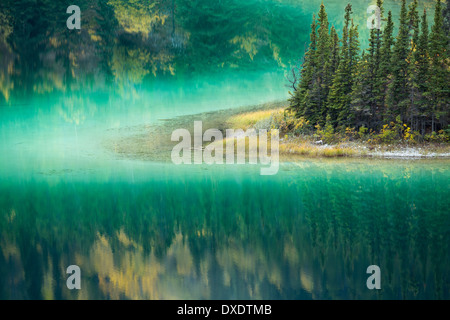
(400,83)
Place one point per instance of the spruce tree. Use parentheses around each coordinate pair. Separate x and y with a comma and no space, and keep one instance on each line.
(438,91)
(301,102)
(377,41)
(365,96)
(311,95)
(413,108)
(398,94)
(362,93)
(353,45)
(382,78)
(323,75)
(414,21)
(340,93)
(422,69)
(446,25)
(334,57)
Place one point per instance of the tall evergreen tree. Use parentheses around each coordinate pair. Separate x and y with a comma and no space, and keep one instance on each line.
(383,78)
(414,21)
(413,107)
(438,91)
(422,69)
(353,47)
(334,57)
(324,76)
(301,102)
(312,93)
(398,93)
(376,39)
(362,94)
(446,26)
(367,87)
(340,94)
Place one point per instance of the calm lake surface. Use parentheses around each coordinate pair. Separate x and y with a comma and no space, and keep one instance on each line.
(157,231)
(148,230)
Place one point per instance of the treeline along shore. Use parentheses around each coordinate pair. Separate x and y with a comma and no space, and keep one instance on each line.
(397,89)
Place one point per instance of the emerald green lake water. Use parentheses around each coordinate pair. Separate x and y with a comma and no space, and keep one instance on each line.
(157,231)
(148,230)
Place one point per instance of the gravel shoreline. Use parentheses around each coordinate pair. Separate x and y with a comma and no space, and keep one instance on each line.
(153,143)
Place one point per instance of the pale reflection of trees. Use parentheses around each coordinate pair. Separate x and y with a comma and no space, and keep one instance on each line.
(123,44)
(50,59)
(137,16)
(6,57)
(75,108)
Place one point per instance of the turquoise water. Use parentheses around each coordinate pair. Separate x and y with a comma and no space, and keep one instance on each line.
(69,131)
(148,230)
(157,231)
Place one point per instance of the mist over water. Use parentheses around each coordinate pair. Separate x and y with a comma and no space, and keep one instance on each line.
(67,130)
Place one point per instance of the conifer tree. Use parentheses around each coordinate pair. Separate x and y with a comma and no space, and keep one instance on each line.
(300,102)
(446,25)
(317,70)
(376,39)
(438,90)
(340,93)
(413,107)
(366,103)
(382,76)
(334,57)
(323,79)
(362,95)
(398,94)
(414,21)
(423,69)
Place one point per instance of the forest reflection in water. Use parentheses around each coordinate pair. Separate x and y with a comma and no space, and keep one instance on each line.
(125,45)
(225,232)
